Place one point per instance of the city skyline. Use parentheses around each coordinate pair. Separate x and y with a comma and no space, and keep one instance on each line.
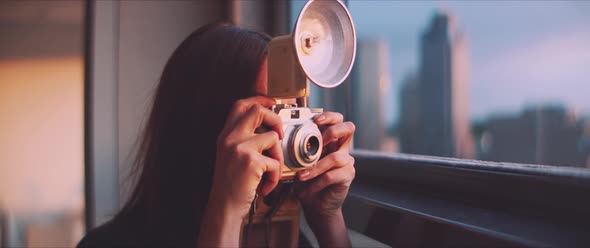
(517,60)
(526,80)
(434,118)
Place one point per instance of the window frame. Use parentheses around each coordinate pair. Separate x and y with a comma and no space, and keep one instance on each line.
(523,204)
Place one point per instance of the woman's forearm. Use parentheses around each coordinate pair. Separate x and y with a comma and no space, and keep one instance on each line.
(330,231)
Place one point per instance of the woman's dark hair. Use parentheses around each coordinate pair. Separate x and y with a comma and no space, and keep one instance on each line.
(211,69)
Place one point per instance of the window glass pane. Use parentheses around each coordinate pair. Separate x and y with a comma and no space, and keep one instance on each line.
(492,80)
(41,123)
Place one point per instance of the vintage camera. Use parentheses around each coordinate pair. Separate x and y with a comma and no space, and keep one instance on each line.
(302,145)
(322,50)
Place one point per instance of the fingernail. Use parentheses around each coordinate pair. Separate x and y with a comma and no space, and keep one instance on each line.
(320,118)
(304,174)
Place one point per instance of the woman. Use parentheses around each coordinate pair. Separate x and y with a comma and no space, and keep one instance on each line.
(200,162)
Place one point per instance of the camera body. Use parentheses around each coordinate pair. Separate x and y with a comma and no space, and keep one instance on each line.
(321,49)
(302,143)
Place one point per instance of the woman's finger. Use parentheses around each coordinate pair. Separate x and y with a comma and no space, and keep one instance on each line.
(342,176)
(267,141)
(256,116)
(272,172)
(333,160)
(342,131)
(243,105)
(328,118)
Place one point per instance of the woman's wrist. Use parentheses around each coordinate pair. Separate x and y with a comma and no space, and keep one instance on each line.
(221,224)
(329,228)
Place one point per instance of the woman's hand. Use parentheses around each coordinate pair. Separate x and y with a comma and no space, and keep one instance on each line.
(239,168)
(326,184)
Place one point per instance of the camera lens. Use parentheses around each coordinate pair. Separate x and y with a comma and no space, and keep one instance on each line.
(312,146)
(302,145)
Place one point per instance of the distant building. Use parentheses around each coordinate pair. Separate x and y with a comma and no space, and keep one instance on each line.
(539,135)
(408,125)
(370,80)
(434,116)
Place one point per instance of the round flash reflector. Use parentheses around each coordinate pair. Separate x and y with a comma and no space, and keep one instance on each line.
(325,42)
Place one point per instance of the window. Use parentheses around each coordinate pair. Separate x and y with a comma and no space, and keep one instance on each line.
(41,123)
(494,80)
(489,80)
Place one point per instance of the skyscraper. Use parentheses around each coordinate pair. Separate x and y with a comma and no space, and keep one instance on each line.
(370,79)
(441,100)
(409,120)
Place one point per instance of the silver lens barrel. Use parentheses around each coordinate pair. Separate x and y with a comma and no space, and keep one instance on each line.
(305,145)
